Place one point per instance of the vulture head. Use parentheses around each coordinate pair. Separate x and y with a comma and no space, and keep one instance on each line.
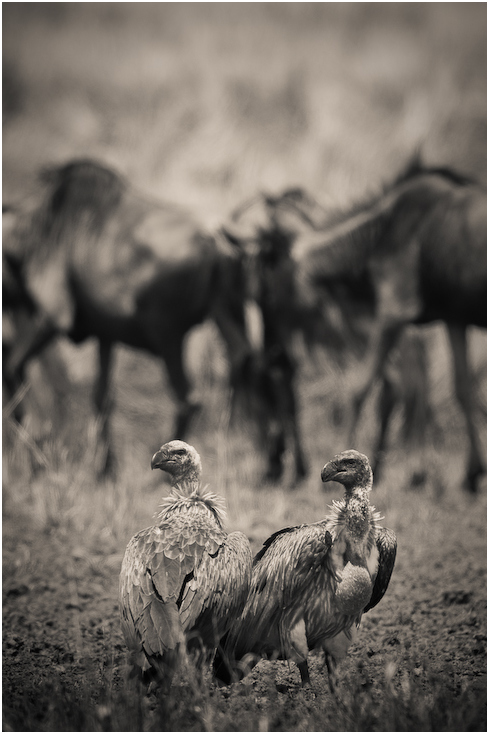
(351,469)
(180,460)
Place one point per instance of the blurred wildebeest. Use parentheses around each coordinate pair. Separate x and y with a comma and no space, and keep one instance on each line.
(41,395)
(287,308)
(16,308)
(97,259)
(414,254)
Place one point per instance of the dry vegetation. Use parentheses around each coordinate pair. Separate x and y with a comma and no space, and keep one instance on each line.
(204,104)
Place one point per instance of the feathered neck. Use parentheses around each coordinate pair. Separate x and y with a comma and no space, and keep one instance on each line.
(355,513)
(187,496)
(189,479)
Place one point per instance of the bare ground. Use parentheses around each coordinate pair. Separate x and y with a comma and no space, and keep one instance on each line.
(420,658)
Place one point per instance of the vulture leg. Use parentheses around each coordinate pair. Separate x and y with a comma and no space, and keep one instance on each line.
(332,676)
(103,405)
(458,343)
(304,671)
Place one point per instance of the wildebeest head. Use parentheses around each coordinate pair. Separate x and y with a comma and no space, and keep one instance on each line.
(271,223)
(264,229)
(270,230)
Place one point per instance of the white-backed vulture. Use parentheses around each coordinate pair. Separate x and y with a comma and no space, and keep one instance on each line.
(184,580)
(312,583)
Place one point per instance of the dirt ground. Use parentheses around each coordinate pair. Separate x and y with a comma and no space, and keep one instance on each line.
(423,647)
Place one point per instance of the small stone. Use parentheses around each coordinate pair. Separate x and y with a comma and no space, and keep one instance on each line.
(457,597)
(19,590)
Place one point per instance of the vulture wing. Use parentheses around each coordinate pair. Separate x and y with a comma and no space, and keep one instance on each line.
(215,593)
(269,541)
(284,572)
(387,547)
(158,566)
(149,614)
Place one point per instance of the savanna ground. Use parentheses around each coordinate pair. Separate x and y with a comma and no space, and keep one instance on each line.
(204,104)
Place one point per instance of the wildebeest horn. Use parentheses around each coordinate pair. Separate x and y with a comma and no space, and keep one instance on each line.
(231,232)
(238,235)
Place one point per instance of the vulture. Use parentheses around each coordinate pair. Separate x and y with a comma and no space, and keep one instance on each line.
(184,580)
(312,583)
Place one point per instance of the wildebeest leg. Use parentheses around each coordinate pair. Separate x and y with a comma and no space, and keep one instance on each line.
(231,324)
(36,334)
(276,449)
(12,385)
(32,334)
(281,413)
(103,405)
(290,421)
(173,357)
(458,342)
(380,346)
(398,304)
(387,402)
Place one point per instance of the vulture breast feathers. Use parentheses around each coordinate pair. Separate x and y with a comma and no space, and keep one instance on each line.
(184,580)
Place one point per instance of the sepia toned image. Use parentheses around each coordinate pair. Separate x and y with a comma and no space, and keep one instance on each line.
(244,366)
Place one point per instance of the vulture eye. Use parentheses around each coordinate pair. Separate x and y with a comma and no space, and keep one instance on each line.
(180,452)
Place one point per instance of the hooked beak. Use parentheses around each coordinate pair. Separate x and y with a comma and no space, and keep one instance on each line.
(330,472)
(159,459)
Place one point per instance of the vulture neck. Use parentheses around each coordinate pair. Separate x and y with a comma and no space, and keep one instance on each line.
(191,498)
(190,481)
(357,518)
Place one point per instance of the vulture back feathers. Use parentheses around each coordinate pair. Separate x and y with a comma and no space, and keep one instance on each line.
(311,584)
(184,580)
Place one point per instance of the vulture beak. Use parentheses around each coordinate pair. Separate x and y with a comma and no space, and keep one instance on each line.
(159,459)
(330,472)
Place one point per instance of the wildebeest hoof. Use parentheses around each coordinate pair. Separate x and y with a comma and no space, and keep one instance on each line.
(273,475)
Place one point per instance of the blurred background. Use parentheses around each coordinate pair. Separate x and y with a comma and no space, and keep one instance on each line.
(204,104)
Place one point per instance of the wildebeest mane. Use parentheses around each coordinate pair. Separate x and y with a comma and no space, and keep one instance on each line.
(413,168)
(82,192)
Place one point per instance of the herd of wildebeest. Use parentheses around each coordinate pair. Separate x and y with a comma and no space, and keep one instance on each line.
(88,256)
